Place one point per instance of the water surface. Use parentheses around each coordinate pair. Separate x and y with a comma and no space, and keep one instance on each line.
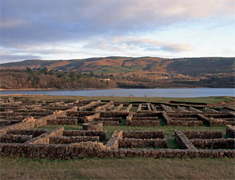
(184,92)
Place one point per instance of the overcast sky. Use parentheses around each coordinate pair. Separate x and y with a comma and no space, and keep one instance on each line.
(74,29)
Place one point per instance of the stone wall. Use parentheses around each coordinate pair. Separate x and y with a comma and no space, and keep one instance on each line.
(62,122)
(214,143)
(43,120)
(91,104)
(27,124)
(101,134)
(144,123)
(109,123)
(133,143)
(143,134)
(33,132)
(45,138)
(113,142)
(94,149)
(183,141)
(203,134)
(72,139)
(93,126)
(91,117)
(12,138)
(230,131)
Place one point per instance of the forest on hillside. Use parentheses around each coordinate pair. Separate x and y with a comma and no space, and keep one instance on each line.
(42,78)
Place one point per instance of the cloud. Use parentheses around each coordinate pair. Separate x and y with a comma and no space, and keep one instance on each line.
(56,20)
(128,44)
(14,58)
(46,28)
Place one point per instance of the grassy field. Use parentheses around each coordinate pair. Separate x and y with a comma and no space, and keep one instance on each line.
(110,168)
(209,100)
(126,168)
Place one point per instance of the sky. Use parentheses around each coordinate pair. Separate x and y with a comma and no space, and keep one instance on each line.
(76,29)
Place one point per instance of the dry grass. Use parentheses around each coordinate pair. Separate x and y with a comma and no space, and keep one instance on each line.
(110,168)
(209,100)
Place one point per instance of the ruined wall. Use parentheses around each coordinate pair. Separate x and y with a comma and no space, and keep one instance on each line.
(45,138)
(62,122)
(143,134)
(72,139)
(183,141)
(27,124)
(33,132)
(133,143)
(12,138)
(214,143)
(230,131)
(203,134)
(101,134)
(113,142)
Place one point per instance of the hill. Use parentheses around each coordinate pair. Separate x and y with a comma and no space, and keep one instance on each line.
(142,72)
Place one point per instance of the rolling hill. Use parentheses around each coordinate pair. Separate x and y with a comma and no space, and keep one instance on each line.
(185,66)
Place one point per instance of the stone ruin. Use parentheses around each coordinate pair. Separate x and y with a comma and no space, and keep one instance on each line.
(20,136)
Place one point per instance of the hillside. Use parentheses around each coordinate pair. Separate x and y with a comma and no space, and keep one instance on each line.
(187,66)
(141,72)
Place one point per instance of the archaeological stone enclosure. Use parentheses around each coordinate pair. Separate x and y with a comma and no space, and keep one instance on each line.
(34,128)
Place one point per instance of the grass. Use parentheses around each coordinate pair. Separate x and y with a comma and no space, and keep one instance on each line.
(209,100)
(110,168)
(168,130)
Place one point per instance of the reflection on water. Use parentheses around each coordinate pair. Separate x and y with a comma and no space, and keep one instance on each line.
(191,92)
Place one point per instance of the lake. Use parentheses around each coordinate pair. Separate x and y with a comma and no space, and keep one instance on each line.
(184,92)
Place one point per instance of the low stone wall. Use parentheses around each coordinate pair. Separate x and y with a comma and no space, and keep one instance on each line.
(183,141)
(101,134)
(93,126)
(204,119)
(143,134)
(145,118)
(184,123)
(144,123)
(128,108)
(105,106)
(79,113)
(133,143)
(8,122)
(11,138)
(220,122)
(91,104)
(166,118)
(194,109)
(109,123)
(113,142)
(119,119)
(166,108)
(27,124)
(230,131)
(45,138)
(93,149)
(203,134)
(91,117)
(33,132)
(214,143)
(62,122)
(147,114)
(72,139)
(43,120)
(114,114)
(118,108)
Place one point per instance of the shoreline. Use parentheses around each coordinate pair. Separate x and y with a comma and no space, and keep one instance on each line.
(55,89)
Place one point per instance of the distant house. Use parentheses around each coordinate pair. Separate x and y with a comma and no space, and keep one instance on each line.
(105,79)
